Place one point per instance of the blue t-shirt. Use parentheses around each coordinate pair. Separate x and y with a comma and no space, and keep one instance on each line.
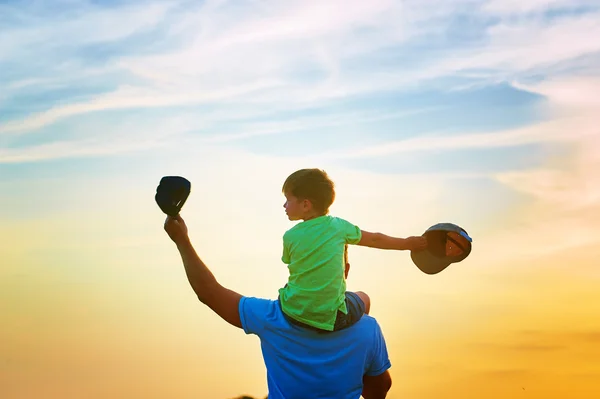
(303,363)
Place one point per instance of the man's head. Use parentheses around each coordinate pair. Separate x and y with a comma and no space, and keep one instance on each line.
(309,193)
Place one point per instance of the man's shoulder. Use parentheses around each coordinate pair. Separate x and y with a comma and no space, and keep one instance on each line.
(369,326)
(256,303)
(256,313)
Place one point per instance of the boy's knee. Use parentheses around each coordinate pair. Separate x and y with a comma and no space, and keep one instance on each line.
(366,300)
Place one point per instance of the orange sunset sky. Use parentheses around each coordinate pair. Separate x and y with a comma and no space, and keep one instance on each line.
(482,113)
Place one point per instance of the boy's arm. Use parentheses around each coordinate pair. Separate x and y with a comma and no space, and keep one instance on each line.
(382,241)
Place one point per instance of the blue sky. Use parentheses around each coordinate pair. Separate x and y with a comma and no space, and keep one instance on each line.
(256,76)
(458,88)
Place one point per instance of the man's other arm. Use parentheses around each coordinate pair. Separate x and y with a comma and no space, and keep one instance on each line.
(377,386)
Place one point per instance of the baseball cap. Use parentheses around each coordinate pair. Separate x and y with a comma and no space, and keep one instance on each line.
(447,243)
(171,194)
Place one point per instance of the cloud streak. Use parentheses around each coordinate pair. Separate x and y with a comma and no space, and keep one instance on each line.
(309,51)
(542,133)
(249,60)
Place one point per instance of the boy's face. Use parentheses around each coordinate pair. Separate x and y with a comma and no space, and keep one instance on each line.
(295,208)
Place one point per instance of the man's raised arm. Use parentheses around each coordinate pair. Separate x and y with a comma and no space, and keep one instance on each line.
(221,300)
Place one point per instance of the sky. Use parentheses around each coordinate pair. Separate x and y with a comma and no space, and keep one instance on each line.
(483,113)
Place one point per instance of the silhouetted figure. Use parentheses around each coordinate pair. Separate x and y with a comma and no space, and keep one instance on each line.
(300,362)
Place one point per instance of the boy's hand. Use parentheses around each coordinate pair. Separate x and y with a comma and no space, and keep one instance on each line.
(416,243)
(346,270)
(346,262)
(176,229)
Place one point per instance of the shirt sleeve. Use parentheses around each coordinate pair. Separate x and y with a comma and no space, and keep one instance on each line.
(352,233)
(254,313)
(379,359)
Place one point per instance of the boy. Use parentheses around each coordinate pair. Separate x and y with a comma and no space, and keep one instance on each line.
(315,251)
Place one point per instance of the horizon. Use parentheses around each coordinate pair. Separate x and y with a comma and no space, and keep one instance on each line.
(483,113)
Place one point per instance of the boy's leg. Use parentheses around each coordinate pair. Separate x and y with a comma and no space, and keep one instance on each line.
(358,304)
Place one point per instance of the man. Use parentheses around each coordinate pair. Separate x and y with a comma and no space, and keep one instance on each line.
(300,362)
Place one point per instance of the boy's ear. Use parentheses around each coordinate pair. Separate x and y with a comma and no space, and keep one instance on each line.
(306,204)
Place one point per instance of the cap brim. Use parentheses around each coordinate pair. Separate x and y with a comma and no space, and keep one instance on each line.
(429,263)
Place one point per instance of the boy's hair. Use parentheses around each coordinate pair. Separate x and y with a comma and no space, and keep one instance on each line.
(313,185)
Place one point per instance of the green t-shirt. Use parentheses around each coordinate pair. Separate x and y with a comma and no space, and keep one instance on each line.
(314,253)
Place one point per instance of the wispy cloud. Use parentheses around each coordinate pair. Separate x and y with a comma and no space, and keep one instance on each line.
(255,58)
(127,98)
(573,183)
(577,92)
(512,7)
(541,133)
(71,25)
(155,133)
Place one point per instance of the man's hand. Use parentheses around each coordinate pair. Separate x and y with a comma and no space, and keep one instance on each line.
(416,243)
(176,229)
